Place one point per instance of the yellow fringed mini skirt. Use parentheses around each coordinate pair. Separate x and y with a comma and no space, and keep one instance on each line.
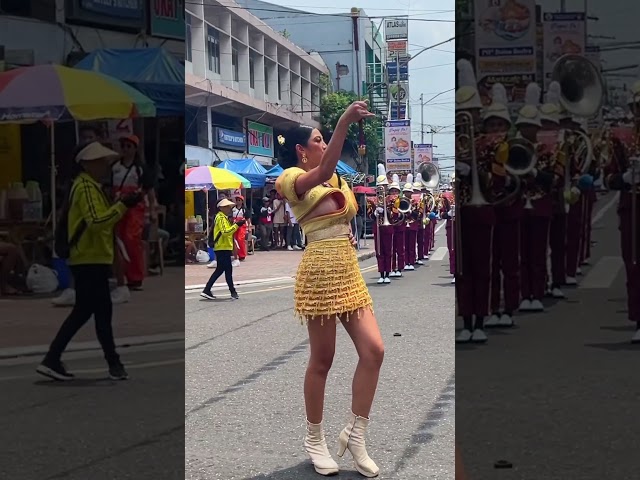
(329,282)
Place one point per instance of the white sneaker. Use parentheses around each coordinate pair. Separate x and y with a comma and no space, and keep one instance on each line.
(453,280)
(120,295)
(493,321)
(579,271)
(525,305)
(636,337)
(290,248)
(296,247)
(409,268)
(235,263)
(505,321)
(213,264)
(572,281)
(66,299)
(557,293)
(420,262)
(387,280)
(586,262)
(398,274)
(392,274)
(464,336)
(479,336)
(380,280)
(536,306)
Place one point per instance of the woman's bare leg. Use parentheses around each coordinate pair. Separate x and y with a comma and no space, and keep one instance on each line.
(322,339)
(363,330)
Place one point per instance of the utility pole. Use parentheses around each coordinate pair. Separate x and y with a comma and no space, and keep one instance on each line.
(422,118)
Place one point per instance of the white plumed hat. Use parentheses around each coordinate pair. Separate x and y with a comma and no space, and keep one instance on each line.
(467,96)
(498,107)
(395,182)
(381,179)
(550,111)
(529,114)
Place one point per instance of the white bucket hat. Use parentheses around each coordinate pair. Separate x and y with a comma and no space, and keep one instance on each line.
(529,114)
(94,151)
(467,96)
(550,111)
(498,107)
(225,202)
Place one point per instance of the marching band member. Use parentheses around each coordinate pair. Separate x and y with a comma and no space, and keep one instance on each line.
(448,214)
(534,232)
(382,234)
(550,119)
(411,234)
(399,229)
(433,216)
(574,216)
(588,198)
(473,276)
(622,173)
(505,269)
(419,186)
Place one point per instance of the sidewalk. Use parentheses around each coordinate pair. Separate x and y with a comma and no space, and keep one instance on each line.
(261,266)
(158,310)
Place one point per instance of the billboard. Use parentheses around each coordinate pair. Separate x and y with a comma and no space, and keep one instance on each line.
(564,33)
(505,39)
(397,145)
(396,28)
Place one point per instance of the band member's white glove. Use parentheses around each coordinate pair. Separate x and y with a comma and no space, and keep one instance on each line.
(463,168)
(379,211)
(630,179)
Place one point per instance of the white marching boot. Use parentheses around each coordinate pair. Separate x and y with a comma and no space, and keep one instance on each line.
(352,438)
(316,447)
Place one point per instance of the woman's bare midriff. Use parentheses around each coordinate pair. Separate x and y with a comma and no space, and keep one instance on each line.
(332,203)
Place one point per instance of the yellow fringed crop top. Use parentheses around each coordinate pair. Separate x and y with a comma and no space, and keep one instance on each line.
(302,207)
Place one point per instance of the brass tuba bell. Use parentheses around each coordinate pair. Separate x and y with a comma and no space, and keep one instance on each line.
(581,85)
(430,175)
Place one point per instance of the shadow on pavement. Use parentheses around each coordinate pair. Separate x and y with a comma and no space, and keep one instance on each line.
(304,471)
(615,347)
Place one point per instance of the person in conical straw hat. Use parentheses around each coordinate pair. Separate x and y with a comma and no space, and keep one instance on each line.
(419,186)
(411,235)
(382,234)
(473,269)
(622,173)
(550,115)
(398,257)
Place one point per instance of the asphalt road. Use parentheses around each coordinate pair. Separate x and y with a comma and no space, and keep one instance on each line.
(558,395)
(94,428)
(245,363)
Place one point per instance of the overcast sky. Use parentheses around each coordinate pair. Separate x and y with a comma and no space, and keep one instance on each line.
(430,73)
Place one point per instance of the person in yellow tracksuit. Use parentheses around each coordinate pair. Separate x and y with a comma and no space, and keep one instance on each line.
(90,222)
(223,232)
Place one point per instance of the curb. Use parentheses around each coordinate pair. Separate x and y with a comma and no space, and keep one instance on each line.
(36,350)
(189,288)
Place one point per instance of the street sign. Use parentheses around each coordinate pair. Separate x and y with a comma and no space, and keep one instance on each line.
(396,28)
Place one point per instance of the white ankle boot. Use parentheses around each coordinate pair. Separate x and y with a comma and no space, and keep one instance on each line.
(352,438)
(316,447)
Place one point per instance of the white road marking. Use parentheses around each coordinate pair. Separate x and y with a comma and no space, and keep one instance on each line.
(603,273)
(600,213)
(439,255)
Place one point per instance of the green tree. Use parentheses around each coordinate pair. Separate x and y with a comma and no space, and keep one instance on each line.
(332,107)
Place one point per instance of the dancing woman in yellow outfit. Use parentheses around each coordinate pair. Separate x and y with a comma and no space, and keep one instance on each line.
(329,286)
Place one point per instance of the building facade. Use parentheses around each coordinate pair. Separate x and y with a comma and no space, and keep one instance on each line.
(63,31)
(244,81)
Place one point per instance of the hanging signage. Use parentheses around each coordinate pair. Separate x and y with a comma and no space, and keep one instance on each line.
(397,145)
(505,39)
(260,139)
(166,18)
(394,114)
(423,153)
(115,8)
(392,70)
(564,33)
(400,46)
(224,138)
(396,28)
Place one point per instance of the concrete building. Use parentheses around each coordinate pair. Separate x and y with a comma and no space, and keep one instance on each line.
(331,35)
(244,81)
(36,32)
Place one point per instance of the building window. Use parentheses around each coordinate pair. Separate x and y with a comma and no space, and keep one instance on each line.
(279,87)
(266,78)
(235,64)
(213,49)
(188,38)
(252,73)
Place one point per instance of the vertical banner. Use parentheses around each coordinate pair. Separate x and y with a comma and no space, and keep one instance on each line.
(564,33)
(505,41)
(397,143)
(422,153)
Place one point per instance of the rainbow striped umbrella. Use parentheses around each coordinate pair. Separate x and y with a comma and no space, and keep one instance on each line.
(212,178)
(54,92)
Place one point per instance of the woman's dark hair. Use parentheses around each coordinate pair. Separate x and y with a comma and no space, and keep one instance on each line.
(287,155)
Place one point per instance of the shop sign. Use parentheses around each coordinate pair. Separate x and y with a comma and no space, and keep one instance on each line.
(166,18)
(260,139)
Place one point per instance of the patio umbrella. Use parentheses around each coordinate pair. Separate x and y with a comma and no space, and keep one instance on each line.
(212,178)
(54,92)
